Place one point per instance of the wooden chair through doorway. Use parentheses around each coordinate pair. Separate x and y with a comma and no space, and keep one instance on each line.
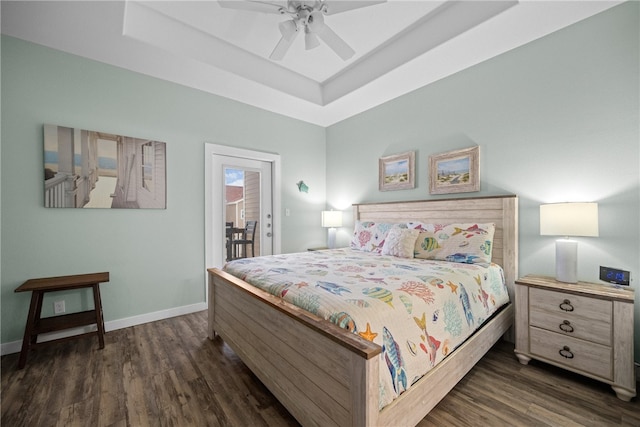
(228,239)
(247,238)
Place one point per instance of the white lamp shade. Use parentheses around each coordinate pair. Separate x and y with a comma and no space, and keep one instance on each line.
(569,219)
(332,219)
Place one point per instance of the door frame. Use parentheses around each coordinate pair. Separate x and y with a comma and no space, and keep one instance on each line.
(213,233)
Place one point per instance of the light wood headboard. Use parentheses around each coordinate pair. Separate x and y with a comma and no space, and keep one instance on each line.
(500,210)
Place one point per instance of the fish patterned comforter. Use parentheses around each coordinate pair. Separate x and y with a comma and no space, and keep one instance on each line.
(418,310)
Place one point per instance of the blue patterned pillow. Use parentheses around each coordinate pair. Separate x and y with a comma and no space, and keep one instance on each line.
(465,243)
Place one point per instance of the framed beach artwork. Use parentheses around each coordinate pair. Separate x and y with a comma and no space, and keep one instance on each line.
(91,169)
(397,172)
(455,171)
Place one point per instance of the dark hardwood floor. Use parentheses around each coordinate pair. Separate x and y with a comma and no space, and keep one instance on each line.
(169,373)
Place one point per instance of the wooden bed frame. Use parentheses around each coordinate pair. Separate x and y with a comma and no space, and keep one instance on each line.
(325,375)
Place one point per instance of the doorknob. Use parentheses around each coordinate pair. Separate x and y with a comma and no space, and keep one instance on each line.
(269,234)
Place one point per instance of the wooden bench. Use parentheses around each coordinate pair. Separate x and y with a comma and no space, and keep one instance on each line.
(37,325)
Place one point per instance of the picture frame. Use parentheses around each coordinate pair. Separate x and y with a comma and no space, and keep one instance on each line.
(397,172)
(455,171)
(95,169)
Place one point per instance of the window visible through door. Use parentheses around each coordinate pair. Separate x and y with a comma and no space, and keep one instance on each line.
(242,204)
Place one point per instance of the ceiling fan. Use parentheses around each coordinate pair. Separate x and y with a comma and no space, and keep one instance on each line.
(307,16)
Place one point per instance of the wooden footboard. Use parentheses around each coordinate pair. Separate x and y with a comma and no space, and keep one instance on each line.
(322,374)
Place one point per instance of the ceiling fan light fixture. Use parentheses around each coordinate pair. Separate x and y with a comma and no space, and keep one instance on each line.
(288,28)
(315,21)
(310,39)
(307,14)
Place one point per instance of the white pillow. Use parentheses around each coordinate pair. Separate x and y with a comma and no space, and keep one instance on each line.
(400,242)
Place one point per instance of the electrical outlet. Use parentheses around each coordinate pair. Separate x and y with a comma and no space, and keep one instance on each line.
(58,307)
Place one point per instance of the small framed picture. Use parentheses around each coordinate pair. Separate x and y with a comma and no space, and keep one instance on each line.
(455,171)
(397,172)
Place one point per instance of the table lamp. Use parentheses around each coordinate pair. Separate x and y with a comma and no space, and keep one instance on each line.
(331,220)
(568,219)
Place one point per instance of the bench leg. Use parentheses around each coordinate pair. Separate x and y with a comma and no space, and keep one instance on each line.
(97,302)
(32,318)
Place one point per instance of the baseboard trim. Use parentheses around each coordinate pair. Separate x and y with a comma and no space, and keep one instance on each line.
(112,325)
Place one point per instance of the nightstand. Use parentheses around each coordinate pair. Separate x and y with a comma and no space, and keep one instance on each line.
(583,327)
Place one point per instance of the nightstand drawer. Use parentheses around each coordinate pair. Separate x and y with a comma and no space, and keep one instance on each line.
(597,310)
(571,325)
(591,358)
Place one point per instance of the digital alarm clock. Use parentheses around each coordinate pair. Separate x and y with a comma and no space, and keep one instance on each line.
(614,275)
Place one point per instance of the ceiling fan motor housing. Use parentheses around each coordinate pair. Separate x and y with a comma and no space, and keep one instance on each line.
(305,14)
(298,5)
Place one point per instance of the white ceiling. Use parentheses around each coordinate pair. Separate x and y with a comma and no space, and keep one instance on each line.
(400,45)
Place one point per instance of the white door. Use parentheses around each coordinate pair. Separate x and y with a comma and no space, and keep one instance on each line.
(240,185)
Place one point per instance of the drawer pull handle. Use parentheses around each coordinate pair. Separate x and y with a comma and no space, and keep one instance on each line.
(566,305)
(566,352)
(565,326)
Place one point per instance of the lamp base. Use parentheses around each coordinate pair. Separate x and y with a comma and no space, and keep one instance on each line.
(331,238)
(567,260)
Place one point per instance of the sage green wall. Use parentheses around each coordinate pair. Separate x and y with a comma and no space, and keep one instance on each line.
(556,120)
(156,257)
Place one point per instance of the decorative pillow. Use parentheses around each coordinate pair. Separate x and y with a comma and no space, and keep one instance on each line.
(400,242)
(369,236)
(465,243)
(427,245)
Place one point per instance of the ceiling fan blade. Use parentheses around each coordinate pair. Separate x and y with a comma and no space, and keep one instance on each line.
(336,43)
(333,7)
(254,6)
(283,46)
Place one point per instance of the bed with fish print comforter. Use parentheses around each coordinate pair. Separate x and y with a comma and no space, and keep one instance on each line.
(417,310)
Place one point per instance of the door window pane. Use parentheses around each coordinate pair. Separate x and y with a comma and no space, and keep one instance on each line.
(242,204)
